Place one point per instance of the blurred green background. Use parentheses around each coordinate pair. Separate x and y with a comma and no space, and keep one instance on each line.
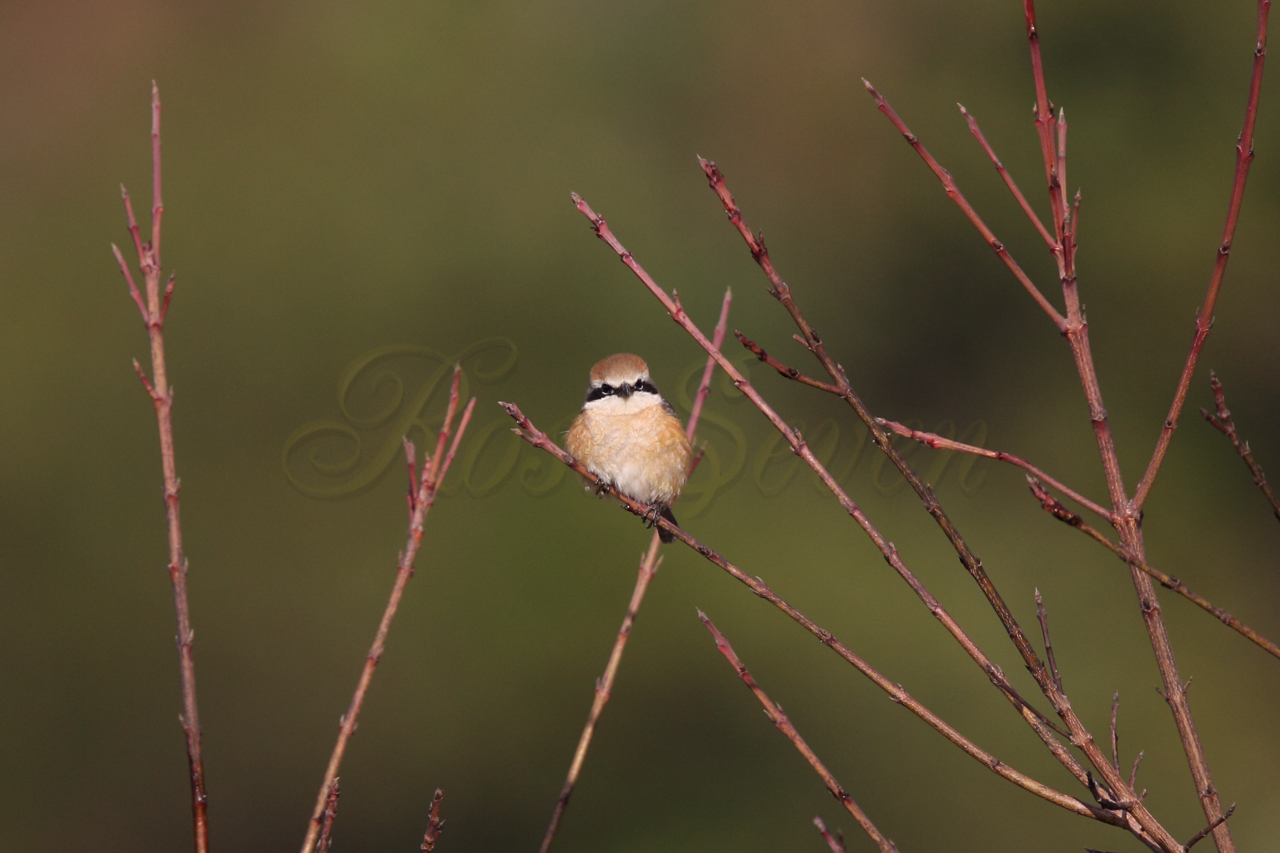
(342,178)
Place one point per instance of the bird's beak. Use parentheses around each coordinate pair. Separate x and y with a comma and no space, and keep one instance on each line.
(625,390)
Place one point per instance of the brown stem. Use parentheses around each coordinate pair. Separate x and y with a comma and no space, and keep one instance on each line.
(835,842)
(940,443)
(1224,423)
(1080,737)
(784,725)
(530,433)
(153,312)
(1043,618)
(1051,505)
(1115,731)
(648,568)
(1204,320)
(1006,177)
(1221,819)
(953,193)
(434,470)
(330,812)
(434,824)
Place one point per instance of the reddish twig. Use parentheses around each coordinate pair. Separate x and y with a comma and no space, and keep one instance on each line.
(1129,511)
(526,430)
(953,193)
(1043,618)
(784,725)
(1224,423)
(1204,320)
(1006,177)
(427,487)
(330,812)
(1055,508)
(940,443)
(789,372)
(648,568)
(434,825)
(1144,822)
(153,311)
(835,842)
(1078,733)
(1115,731)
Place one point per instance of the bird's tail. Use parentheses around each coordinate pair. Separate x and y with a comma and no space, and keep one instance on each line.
(666,536)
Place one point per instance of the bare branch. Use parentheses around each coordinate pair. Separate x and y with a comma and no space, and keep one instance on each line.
(940,443)
(1008,179)
(1223,422)
(428,486)
(953,193)
(648,568)
(161,394)
(1204,320)
(784,725)
(434,825)
(835,842)
(1052,506)
(1048,644)
(526,430)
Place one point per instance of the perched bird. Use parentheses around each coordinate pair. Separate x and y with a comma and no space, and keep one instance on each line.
(630,438)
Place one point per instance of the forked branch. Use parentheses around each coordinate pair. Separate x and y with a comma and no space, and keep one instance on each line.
(1144,822)
(1054,507)
(648,568)
(154,311)
(1225,424)
(526,430)
(424,488)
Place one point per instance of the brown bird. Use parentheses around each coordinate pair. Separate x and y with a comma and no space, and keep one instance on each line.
(630,438)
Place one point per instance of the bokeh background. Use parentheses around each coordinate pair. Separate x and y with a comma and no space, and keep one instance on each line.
(346,178)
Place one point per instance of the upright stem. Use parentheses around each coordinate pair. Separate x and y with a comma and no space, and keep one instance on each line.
(1204,320)
(424,493)
(648,568)
(1129,512)
(153,315)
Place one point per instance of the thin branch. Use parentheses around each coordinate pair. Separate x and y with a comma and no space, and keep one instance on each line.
(788,372)
(1006,177)
(1079,735)
(940,443)
(1133,773)
(1129,511)
(648,568)
(1224,423)
(1051,505)
(1043,618)
(835,842)
(161,394)
(953,193)
(1218,821)
(1115,731)
(427,488)
(330,812)
(1144,822)
(1204,320)
(784,725)
(434,825)
(526,430)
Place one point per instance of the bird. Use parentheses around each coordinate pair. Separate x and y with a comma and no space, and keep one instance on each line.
(629,437)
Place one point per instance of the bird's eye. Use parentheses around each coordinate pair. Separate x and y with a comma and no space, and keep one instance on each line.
(606,389)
